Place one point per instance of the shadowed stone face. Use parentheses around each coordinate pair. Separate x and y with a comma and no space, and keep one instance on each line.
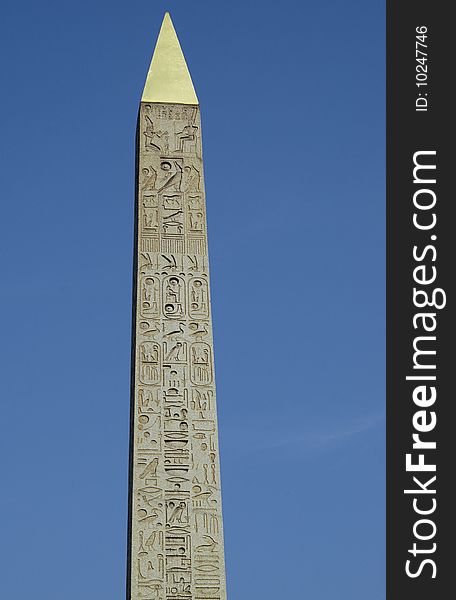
(176,537)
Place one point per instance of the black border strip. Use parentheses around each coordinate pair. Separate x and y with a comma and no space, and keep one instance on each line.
(410,131)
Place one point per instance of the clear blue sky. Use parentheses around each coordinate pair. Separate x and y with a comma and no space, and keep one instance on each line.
(292,97)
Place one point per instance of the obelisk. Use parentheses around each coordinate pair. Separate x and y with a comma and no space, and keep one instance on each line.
(175,514)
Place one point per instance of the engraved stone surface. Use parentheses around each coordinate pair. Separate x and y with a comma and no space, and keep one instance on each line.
(176,536)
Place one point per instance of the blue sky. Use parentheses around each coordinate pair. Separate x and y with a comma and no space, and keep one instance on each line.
(292,97)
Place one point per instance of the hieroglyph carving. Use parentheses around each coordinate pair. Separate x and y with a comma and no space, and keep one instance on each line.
(176,529)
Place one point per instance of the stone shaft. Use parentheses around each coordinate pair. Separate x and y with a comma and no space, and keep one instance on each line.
(176,536)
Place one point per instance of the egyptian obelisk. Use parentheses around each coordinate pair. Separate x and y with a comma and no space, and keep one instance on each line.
(175,514)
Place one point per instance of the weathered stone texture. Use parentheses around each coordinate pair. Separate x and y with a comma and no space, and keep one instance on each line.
(176,533)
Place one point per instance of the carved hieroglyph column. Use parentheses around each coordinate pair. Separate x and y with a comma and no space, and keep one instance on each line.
(175,521)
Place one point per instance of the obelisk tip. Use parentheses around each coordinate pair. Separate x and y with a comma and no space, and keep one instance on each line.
(168,79)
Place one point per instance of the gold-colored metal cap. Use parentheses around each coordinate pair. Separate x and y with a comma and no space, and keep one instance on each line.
(168,79)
